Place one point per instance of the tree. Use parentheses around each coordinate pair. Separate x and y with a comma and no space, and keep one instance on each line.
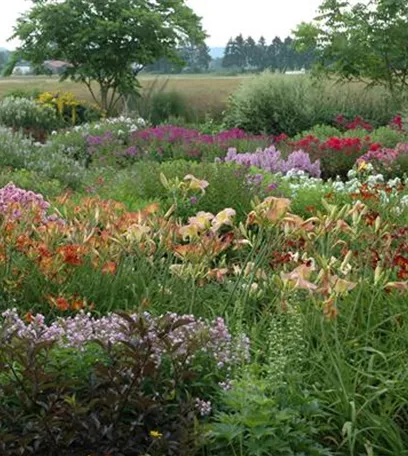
(275,54)
(262,54)
(196,59)
(363,41)
(107,42)
(4,58)
(250,53)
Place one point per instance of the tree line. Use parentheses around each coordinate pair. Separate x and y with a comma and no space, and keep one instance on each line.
(280,55)
(240,55)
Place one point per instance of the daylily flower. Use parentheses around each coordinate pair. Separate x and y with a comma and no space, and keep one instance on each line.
(202,220)
(137,232)
(298,277)
(402,286)
(342,286)
(223,218)
(196,184)
(189,231)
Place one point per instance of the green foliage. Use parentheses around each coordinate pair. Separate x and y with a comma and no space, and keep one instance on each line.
(31,181)
(106,42)
(323,132)
(357,372)
(26,114)
(360,41)
(388,137)
(23,93)
(18,152)
(257,422)
(280,104)
(165,105)
(228,185)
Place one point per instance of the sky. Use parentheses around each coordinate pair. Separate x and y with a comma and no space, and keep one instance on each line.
(222,19)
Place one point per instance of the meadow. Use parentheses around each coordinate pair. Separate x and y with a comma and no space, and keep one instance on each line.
(208,94)
(234,288)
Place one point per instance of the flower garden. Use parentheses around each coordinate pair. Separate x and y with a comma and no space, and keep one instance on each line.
(169,291)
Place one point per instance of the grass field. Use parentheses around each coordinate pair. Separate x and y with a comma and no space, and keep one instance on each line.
(208,94)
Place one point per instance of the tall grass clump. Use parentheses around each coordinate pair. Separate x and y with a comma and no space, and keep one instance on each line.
(276,104)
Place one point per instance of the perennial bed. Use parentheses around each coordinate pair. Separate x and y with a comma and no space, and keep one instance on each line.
(168,292)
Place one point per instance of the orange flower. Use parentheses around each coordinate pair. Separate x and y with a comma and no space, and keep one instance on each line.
(60,303)
(28,317)
(71,254)
(78,304)
(109,267)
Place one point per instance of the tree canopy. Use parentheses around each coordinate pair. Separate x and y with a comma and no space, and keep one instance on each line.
(366,41)
(106,41)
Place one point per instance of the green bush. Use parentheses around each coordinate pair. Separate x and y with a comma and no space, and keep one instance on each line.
(134,385)
(23,93)
(257,423)
(27,115)
(228,185)
(322,132)
(388,137)
(277,104)
(169,104)
(18,152)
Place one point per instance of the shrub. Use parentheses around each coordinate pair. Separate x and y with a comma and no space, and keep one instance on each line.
(68,109)
(25,114)
(228,185)
(22,93)
(122,384)
(389,162)
(275,104)
(321,132)
(45,161)
(256,422)
(388,137)
(15,148)
(165,105)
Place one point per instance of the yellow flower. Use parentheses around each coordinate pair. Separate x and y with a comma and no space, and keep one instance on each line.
(196,184)
(155,434)
(362,166)
(223,218)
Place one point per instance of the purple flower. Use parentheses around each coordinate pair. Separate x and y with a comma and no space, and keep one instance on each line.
(271,160)
(272,187)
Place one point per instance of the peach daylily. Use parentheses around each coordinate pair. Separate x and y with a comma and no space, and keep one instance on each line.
(274,208)
(402,286)
(299,277)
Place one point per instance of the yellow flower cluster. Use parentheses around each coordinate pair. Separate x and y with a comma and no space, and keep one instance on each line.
(61,102)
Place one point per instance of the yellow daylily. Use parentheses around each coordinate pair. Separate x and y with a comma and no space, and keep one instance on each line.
(223,218)
(196,184)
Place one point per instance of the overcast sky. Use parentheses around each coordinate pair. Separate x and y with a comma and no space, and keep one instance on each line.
(222,19)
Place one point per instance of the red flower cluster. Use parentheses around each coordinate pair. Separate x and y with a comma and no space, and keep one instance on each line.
(356,123)
(397,122)
(343,144)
